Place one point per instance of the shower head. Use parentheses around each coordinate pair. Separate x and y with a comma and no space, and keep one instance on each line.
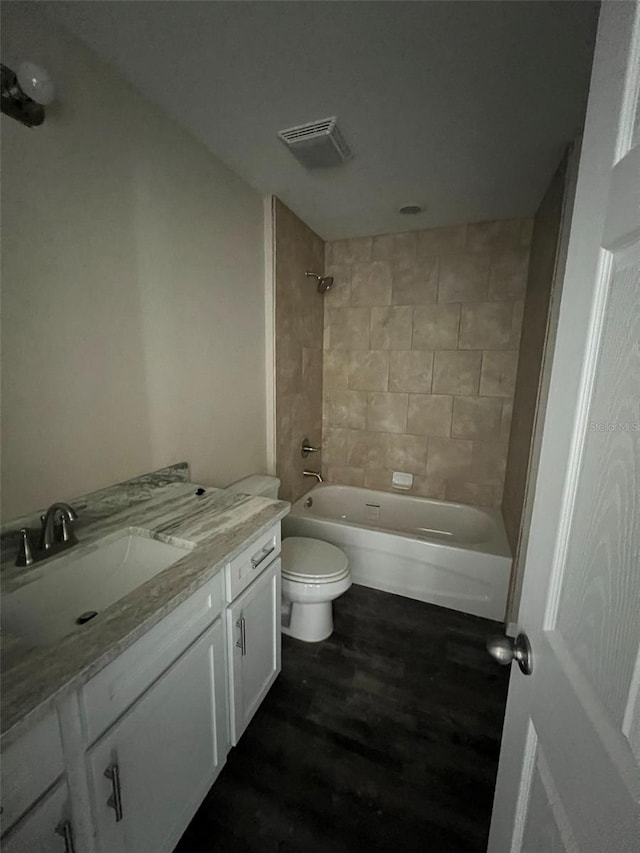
(325,282)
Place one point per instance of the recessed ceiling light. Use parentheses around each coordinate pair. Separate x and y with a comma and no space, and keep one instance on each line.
(410,209)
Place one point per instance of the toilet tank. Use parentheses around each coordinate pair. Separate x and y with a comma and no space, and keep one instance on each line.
(257,484)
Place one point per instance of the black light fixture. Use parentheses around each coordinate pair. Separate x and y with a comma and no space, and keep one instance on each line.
(25,93)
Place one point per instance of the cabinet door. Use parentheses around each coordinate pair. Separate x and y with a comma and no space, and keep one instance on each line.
(164,754)
(253,625)
(45,828)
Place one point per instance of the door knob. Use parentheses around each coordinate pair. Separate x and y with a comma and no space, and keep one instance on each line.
(506,649)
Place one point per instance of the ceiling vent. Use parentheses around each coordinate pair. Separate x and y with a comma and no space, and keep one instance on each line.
(317,144)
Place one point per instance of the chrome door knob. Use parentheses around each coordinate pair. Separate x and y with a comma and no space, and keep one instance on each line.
(505,649)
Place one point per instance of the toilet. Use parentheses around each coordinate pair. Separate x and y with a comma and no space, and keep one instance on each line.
(314,574)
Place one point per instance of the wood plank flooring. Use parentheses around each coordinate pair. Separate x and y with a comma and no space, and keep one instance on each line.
(384,738)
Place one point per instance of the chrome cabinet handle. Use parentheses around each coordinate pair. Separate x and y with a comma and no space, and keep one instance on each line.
(242,642)
(261,556)
(115,800)
(64,829)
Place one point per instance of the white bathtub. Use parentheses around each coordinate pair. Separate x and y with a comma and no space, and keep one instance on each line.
(449,554)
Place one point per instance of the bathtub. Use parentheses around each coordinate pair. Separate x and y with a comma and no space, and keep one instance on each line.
(449,554)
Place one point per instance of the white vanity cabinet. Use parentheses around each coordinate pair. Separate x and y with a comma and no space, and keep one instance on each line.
(151,770)
(35,798)
(146,737)
(46,828)
(253,626)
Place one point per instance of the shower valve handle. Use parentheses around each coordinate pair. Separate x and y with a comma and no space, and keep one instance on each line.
(307,448)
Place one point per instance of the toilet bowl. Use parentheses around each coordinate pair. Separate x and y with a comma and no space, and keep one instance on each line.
(314,574)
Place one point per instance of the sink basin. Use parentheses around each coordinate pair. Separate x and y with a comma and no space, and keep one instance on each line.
(73,588)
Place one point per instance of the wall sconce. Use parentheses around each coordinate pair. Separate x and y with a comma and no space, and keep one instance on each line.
(25,93)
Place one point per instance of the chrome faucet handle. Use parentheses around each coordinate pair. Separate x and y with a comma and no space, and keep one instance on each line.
(25,553)
(67,529)
(307,448)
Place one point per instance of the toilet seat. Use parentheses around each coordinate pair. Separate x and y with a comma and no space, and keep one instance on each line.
(312,561)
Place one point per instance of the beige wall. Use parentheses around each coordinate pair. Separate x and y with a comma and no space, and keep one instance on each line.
(132,289)
(299,322)
(540,287)
(421,346)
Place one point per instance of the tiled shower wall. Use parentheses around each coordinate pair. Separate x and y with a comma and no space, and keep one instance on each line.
(299,313)
(421,341)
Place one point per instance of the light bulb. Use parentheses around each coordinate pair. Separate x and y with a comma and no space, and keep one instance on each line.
(35,83)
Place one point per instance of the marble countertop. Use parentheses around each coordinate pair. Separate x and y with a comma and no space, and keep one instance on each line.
(216,526)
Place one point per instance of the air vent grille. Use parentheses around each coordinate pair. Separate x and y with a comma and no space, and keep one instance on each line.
(317,144)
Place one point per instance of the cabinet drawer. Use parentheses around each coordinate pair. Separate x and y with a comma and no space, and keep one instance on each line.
(246,567)
(29,766)
(119,684)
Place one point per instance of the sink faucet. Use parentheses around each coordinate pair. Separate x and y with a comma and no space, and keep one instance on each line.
(67,516)
(313,474)
(53,537)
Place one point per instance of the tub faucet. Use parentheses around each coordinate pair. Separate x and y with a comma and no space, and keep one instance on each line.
(313,474)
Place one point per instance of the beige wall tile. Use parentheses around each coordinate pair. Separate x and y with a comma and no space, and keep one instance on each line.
(369,370)
(349,328)
(353,251)
(386,247)
(508,274)
(516,324)
(366,449)
(378,478)
(437,241)
(496,234)
(371,284)
(334,445)
(430,414)
(387,412)
(391,327)
(507,414)
(498,374)
(476,417)
(449,458)
(410,370)
(395,335)
(436,327)
(335,370)
(407,453)
(456,372)
(346,409)
(488,462)
(464,277)
(478,494)
(486,325)
(340,293)
(345,475)
(415,282)
(312,369)
(429,487)
(299,322)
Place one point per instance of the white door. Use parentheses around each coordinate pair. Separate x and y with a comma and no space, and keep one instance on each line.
(164,754)
(569,774)
(253,626)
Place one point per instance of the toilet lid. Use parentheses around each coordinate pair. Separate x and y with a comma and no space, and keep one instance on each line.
(312,559)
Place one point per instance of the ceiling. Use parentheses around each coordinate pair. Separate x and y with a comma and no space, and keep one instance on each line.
(463,107)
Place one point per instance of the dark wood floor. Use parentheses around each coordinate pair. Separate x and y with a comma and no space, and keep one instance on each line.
(384,739)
